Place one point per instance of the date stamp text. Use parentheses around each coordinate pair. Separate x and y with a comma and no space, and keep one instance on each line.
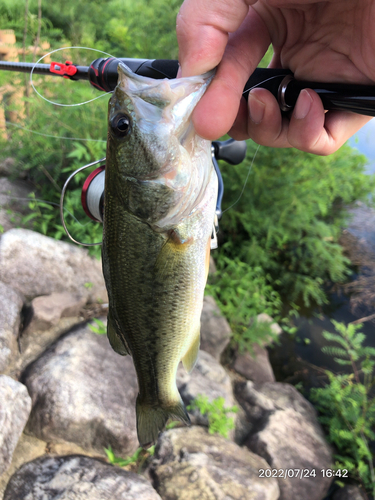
(302,473)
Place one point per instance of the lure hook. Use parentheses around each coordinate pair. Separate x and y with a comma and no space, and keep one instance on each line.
(62,202)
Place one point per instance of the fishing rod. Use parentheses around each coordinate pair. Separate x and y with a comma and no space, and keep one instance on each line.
(102,74)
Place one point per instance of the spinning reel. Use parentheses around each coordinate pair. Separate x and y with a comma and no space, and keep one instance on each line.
(92,195)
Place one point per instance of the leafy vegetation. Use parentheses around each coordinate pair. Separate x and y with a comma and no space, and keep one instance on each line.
(242,293)
(290,216)
(100,328)
(139,457)
(218,420)
(347,403)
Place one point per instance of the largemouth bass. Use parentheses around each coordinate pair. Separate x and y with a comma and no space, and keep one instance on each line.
(159,207)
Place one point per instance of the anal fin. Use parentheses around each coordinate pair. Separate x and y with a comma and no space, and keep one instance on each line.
(117,344)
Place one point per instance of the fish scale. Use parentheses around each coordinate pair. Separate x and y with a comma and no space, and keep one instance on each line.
(159,206)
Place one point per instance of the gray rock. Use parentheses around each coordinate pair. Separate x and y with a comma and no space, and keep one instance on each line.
(33,343)
(8,220)
(212,266)
(208,378)
(349,492)
(191,464)
(15,406)
(14,194)
(37,265)
(48,309)
(10,311)
(27,449)
(84,393)
(76,477)
(215,330)
(285,431)
(7,166)
(255,366)
(266,318)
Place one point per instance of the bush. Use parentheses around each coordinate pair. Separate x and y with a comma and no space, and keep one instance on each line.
(290,216)
(347,404)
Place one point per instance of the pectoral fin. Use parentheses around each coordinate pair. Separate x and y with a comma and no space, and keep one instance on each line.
(117,344)
(191,355)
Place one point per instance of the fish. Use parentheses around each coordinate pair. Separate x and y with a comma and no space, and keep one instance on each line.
(159,209)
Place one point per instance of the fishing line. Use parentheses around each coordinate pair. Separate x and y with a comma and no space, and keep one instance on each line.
(57,103)
(256,151)
(52,136)
(260,83)
(243,187)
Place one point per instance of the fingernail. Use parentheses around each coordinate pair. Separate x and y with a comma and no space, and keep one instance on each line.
(303,105)
(256,109)
(179,71)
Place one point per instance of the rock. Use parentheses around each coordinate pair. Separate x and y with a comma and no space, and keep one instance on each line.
(34,343)
(27,449)
(76,477)
(15,406)
(37,265)
(215,330)
(285,431)
(10,311)
(212,266)
(349,492)
(208,378)
(266,318)
(255,366)
(275,328)
(48,309)
(84,393)
(14,194)
(7,166)
(191,464)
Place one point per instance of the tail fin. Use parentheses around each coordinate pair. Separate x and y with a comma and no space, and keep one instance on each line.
(151,420)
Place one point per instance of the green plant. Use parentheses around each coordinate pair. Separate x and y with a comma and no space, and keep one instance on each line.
(100,329)
(290,215)
(218,420)
(243,292)
(347,403)
(138,457)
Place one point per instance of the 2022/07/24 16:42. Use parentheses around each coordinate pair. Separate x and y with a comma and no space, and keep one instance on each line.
(302,473)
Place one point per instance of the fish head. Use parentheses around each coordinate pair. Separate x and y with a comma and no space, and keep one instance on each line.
(151,137)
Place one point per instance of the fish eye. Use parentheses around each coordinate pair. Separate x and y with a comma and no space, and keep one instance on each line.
(121,125)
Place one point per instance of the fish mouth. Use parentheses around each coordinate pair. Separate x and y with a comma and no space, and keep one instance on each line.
(164,101)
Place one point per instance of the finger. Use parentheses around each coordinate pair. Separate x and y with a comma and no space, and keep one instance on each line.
(261,120)
(202,29)
(314,131)
(218,108)
(309,129)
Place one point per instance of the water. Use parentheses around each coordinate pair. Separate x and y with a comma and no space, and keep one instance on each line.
(364,141)
(303,360)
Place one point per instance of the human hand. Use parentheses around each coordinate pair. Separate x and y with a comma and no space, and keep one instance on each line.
(328,41)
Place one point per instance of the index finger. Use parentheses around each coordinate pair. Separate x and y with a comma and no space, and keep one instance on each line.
(227,34)
(202,28)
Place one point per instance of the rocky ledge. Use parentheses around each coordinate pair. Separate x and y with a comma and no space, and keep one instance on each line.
(65,395)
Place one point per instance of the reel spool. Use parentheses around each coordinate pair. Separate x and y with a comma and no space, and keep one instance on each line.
(92,196)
